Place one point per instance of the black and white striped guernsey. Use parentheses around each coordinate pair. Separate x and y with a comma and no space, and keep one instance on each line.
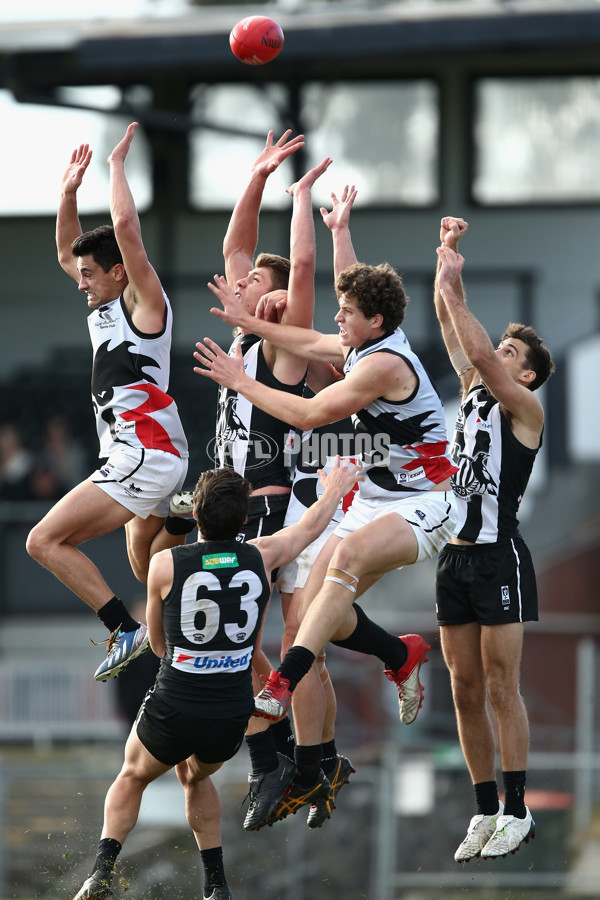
(254,443)
(493,470)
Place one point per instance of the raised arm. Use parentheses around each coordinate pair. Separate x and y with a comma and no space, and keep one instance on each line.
(300,305)
(67,219)
(285,545)
(304,343)
(517,399)
(239,244)
(451,230)
(143,294)
(338,221)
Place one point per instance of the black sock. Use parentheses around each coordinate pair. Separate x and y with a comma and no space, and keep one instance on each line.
(177,525)
(106,856)
(263,753)
(214,873)
(284,737)
(114,615)
(295,665)
(328,756)
(486,795)
(514,794)
(372,639)
(308,760)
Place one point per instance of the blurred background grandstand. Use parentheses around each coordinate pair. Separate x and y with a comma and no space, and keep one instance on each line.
(487,109)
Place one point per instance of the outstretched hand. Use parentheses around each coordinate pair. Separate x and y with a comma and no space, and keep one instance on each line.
(234,312)
(339,215)
(451,230)
(217,365)
(80,160)
(275,153)
(343,476)
(307,180)
(122,148)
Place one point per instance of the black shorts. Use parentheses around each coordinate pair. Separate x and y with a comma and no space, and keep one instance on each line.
(266,514)
(171,736)
(492,584)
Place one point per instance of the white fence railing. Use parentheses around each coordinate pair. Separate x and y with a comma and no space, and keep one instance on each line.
(41,700)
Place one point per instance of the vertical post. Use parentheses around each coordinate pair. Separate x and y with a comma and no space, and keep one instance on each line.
(3,882)
(384,836)
(170,165)
(585,686)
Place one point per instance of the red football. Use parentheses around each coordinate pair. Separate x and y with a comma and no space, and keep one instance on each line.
(256,40)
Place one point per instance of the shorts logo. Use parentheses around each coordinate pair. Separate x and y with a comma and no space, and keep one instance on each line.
(214,663)
(125,427)
(221,561)
(420,514)
(134,488)
(505,596)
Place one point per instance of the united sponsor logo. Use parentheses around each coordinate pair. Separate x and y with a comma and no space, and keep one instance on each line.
(220,561)
(212,663)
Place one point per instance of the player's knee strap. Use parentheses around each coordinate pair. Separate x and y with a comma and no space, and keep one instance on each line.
(340,576)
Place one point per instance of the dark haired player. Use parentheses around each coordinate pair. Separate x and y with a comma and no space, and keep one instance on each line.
(142,442)
(485,584)
(405,494)
(206,602)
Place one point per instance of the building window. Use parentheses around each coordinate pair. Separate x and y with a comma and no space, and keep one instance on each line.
(231,125)
(37,146)
(537,140)
(382,136)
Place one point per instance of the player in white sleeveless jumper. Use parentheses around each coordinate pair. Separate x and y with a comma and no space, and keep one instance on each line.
(140,434)
(406,486)
(485,583)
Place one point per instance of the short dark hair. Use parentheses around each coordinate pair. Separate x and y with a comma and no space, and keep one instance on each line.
(538,357)
(279,267)
(377,289)
(221,504)
(102,244)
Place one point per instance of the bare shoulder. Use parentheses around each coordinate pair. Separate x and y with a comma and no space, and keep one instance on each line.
(525,417)
(161,566)
(392,376)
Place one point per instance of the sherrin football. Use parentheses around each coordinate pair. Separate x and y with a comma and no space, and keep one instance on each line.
(256,40)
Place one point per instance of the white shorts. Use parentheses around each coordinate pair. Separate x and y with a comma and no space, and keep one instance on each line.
(295,574)
(142,480)
(431,515)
